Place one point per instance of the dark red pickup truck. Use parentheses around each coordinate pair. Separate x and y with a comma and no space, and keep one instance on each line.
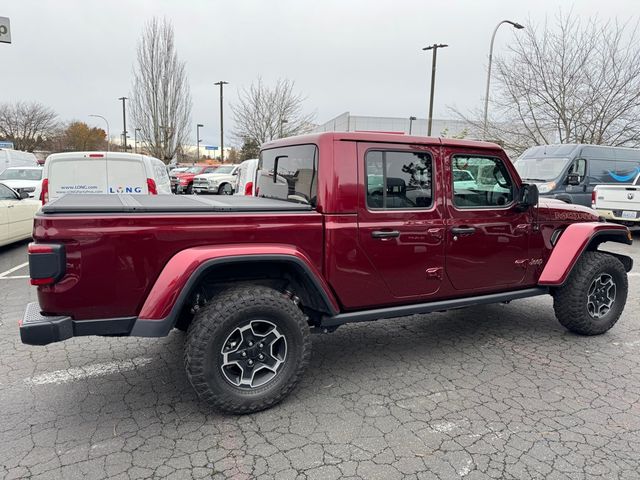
(347,227)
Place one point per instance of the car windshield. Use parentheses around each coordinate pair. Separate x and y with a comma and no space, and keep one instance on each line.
(193,170)
(21,174)
(540,169)
(225,169)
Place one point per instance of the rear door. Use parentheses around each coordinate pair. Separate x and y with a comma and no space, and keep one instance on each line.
(400,221)
(487,238)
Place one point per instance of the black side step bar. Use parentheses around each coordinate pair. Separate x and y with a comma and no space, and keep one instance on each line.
(403,310)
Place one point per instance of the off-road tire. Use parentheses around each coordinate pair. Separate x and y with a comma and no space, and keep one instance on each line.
(189,189)
(570,300)
(222,188)
(211,328)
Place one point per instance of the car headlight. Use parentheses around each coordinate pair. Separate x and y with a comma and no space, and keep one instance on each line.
(546,187)
(212,183)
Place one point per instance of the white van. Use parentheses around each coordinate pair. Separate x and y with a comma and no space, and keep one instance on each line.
(103,172)
(246,178)
(16,158)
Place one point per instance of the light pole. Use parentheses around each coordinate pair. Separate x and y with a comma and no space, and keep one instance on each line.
(411,119)
(222,83)
(105,121)
(486,94)
(435,48)
(198,127)
(124,122)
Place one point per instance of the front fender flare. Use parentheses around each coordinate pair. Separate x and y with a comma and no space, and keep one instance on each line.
(162,306)
(577,238)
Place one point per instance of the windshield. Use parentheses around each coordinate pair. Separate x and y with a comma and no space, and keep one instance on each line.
(540,169)
(225,169)
(193,170)
(21,174)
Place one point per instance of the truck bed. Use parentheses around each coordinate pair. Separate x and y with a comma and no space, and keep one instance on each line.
(99,203)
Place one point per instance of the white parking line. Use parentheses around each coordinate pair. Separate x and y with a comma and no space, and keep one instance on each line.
(78,373)
(11,270)
(14,277)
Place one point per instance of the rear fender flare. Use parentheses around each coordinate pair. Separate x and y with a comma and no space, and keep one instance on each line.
(576,239)
(186,268)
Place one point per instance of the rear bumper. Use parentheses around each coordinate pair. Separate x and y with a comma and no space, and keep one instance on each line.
(38,329)
(616,215)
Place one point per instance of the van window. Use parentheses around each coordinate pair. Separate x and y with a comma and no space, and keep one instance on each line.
(289,173)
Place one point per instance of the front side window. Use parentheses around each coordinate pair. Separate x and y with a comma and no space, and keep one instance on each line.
(398,180)
(486,182)
(289,173)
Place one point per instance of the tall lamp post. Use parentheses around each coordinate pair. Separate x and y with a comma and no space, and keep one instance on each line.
(105,121)
(411,119)
(124,122)
(198,127)
(222,83)
(435,48)
(486,94)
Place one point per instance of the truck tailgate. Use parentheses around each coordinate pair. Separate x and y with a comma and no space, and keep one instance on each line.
(618,197)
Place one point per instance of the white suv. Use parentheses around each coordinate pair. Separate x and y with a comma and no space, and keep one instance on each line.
(221,181)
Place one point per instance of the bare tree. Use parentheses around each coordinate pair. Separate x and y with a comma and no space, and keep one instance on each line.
(161,98)
(568,81)
(27,124)
(263,113)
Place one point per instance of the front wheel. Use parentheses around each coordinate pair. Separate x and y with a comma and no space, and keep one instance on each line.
(225,189)
(593,297)
(189,190)
(247,349)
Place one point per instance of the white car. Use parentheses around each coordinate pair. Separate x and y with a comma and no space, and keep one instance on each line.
(246,177)
(16,158)
(221,181)
(618,203)
(16,215)
(103,172)
(22,179)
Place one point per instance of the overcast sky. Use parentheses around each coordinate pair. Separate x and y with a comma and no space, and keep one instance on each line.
(365,57)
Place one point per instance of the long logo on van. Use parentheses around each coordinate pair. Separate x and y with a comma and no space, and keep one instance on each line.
(125,190)
(624,178)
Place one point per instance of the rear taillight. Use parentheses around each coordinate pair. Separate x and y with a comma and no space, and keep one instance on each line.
(248,188)
(44,194)
(593,199)
(151,186)
(47,263)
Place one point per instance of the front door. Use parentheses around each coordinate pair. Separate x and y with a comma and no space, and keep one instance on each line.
(487,237)
(400,221)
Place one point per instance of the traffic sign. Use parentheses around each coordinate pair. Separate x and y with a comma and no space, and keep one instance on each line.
(5,30)
(210,147)
(6,145)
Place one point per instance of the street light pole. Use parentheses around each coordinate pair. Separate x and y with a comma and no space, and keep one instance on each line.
(105,121)
(486,94)
(411,119)
(198,127)
(435,48)
(124,122)
(222,83)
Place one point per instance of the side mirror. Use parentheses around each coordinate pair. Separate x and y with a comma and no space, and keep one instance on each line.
(573,178)
(528,196)
(23,195)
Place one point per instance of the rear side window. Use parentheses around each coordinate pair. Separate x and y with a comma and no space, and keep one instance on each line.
(289,173)
(399,180)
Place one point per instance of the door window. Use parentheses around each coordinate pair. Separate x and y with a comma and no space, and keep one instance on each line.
(480,182)
(579,167)
(399,180)
(6,193)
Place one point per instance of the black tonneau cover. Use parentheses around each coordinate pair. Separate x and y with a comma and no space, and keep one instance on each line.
(97,203)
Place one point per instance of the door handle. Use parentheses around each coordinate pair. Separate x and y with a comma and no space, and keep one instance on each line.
(385,234)
(463,230)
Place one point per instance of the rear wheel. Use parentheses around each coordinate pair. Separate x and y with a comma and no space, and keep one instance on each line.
(247,349)
(593,298)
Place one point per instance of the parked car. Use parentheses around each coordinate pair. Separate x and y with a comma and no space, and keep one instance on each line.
(22,179)
(102,172)
(246,177)
(182,182)
(220,181)
(570,172)
(619,203)
(16,215)
(16,158)
(249,278)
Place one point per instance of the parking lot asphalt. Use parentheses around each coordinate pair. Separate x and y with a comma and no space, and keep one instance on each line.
(499,391)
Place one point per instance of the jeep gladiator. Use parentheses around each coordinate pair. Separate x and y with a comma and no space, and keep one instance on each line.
(344,227)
